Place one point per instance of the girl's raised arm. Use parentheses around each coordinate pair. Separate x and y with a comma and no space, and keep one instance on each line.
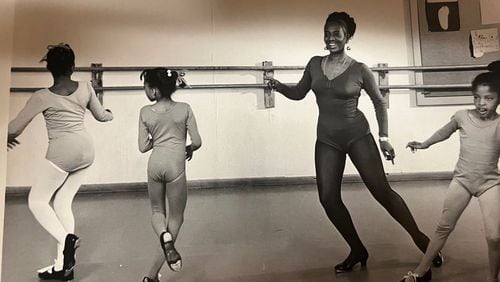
(33,107)
(442,134)
(96,108)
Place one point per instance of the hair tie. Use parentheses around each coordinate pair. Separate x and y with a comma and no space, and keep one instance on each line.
(169,73)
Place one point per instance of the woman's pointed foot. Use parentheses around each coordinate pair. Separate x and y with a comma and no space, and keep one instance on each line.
(348,264)
(438,260)
(172,257)
(52,274)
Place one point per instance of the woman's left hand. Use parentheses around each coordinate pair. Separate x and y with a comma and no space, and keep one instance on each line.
(387,150)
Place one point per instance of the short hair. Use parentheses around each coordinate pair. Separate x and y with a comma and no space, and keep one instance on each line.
(491,78)
(60,59)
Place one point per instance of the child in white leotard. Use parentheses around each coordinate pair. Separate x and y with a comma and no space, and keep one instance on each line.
(69,153)
(163,127)
(476,173)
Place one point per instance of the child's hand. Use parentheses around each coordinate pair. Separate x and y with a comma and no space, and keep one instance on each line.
(414,145)
(11,143)
(189,152)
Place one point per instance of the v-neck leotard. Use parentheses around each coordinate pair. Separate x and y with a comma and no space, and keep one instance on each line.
(340,122)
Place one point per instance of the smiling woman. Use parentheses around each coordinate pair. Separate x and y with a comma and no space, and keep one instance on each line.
(342,129)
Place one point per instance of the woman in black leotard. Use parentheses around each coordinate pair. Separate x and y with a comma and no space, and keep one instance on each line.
(337,81)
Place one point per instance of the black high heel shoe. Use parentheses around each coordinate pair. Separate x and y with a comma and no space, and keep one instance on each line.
(172,257)
(52,274)
(71,243)
(147,279)
(438,260)
(348,264)
(412,277)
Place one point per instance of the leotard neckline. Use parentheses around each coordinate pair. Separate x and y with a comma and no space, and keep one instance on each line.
(481,124)
(164,112)
(71,94)
(323,72)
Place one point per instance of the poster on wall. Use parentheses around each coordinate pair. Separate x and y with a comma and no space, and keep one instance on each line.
(490,11)
(442,15)
(484,41)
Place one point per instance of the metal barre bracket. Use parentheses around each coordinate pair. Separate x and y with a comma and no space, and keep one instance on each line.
(268,92)
(383,80)
(97,81)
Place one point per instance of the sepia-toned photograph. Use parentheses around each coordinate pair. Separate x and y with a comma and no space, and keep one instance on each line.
(250,141)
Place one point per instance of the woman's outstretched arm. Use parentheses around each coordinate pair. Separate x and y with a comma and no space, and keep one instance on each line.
(295,92)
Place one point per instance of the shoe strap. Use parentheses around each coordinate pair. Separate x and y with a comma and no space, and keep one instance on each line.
(411,275)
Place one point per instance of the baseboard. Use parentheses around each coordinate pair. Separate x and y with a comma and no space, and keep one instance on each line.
(238,183)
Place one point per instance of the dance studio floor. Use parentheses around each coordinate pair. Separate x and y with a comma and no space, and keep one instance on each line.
(246,235)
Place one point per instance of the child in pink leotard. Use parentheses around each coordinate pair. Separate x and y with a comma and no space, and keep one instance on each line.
(163,127)
(476,173)
(70,152)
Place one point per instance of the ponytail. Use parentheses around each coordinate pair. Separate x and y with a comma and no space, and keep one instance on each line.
(166,80)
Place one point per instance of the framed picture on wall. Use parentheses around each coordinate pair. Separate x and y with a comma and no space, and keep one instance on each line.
(451,48)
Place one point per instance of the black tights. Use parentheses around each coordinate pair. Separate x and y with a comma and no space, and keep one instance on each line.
(330,163)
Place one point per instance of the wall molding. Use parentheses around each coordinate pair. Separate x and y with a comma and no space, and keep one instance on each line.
(235,183)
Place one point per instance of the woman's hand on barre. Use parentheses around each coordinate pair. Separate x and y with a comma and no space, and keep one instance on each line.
(273,83)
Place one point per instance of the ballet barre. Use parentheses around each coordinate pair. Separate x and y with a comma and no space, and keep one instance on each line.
(257,86)
(267,68)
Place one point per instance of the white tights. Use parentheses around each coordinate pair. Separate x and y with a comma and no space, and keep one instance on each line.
(57,220)
(457,199)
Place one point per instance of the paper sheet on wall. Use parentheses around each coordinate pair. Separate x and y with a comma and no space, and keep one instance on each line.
(490,11)
(484,40)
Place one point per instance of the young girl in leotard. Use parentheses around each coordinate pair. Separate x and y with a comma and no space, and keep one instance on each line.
(163,127)
(476,172)
(69,153)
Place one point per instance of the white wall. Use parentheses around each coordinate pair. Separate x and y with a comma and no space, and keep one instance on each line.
(240,138)
(6,30)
